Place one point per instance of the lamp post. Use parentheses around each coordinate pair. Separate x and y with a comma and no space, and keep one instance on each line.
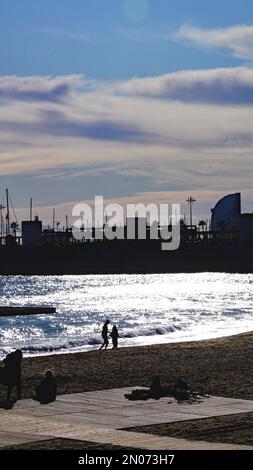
(191,201)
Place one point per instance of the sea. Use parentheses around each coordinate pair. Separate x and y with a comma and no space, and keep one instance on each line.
(147,309)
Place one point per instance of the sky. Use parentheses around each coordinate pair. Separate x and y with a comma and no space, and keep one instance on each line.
(135,100)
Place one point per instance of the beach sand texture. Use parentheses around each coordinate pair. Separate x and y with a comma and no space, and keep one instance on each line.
(221,367)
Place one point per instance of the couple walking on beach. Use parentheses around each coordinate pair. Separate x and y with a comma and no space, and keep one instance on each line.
(114,335)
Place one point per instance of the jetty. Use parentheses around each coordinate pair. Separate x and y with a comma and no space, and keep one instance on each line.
(37,310)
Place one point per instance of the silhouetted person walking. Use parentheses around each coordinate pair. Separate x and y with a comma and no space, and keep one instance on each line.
(114,335)
(105,335)
(11,373)
(47,389)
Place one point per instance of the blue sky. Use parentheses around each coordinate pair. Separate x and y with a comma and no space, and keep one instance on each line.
(148,99)
(41,37)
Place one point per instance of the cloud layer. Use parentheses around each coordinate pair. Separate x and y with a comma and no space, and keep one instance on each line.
(186,131)
(36,88)
(225,86)
(238,39)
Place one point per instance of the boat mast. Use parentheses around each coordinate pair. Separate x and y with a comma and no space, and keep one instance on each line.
(1,220)
(7,213)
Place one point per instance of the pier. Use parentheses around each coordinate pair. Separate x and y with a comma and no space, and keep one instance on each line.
(13,311)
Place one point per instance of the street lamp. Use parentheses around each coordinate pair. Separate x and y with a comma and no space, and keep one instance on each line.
(191,201)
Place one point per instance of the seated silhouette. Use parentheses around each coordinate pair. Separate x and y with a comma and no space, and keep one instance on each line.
(182,390)
(46,391)
(10,374)
(155,391)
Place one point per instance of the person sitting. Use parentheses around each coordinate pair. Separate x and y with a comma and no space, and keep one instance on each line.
(156,389)
(182,390)
(11,373)
(47,389)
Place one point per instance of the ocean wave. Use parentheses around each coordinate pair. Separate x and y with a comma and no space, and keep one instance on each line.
(161,330)
(94,341)
(67,345)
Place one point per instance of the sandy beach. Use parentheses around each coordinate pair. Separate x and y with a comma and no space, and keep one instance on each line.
(220,366)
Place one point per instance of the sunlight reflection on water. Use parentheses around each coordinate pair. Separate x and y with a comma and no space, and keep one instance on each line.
(147,309)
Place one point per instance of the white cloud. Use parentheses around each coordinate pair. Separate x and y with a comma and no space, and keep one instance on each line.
(38,88)
(184,145)
(224,85)
(238,39)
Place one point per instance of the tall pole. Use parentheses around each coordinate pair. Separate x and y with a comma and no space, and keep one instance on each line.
(191,201)
(53,219)
(8,213)
(67,222)
(31,209)
(1,219)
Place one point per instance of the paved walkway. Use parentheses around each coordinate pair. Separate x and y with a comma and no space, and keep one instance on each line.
(101,417)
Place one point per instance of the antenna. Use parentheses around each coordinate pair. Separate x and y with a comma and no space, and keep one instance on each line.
(191,201)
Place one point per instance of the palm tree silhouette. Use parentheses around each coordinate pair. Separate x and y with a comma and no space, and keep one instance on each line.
(14,227)
(202,225)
